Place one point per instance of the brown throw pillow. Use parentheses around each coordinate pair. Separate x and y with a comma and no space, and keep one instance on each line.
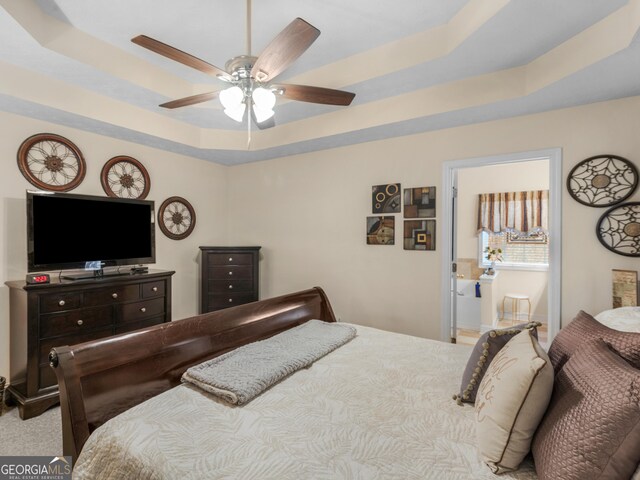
(512,399)
(487,347)
(584,328)
(592,426)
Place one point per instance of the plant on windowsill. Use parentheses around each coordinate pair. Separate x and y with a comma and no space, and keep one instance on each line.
(493,255)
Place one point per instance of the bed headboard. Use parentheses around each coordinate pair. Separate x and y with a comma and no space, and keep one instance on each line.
(105,377)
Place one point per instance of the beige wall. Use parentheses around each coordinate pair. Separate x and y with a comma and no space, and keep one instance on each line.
(308,212)
(512,177)
(202,183)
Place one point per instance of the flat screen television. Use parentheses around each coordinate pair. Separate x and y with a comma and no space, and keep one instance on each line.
(69,231)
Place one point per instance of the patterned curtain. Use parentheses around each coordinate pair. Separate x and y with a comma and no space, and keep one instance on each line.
(521,212)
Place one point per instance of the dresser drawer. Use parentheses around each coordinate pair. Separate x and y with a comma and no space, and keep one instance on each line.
(111,295)
(47,345)
(231,271)
(230,300)
(232,285)
(130,327)
(133,312)
(153,289)
(230,259)
(57,302)
(75,321)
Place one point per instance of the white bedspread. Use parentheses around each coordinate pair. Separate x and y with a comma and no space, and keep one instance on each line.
(379,407)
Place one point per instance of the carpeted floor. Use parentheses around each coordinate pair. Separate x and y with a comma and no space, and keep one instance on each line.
(41,435)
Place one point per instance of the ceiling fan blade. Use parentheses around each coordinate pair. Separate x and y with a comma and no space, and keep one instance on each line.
(192,100)
(269,123)
(179,56)
(284,49)
(306,93)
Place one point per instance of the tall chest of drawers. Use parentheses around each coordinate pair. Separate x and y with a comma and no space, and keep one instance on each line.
(71,312)
(229,277)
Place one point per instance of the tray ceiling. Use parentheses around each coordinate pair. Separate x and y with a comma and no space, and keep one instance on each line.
(426,65)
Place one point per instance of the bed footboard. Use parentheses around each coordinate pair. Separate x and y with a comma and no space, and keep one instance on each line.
(100,379)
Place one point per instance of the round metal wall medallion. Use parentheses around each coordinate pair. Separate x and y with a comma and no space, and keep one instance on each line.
(176,218)
(51,162)
(125,177)
(619,229)
(602,181)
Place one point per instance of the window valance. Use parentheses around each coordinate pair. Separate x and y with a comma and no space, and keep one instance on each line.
(521,212)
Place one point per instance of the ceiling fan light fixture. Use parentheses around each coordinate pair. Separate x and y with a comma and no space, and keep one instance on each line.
(263,102)
(232,99)
(236,113)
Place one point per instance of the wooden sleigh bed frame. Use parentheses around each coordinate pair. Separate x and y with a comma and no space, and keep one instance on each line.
(100,379)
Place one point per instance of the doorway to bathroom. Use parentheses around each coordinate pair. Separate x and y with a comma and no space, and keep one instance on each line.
(502,237)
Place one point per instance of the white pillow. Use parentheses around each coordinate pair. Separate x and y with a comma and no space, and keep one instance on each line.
(512,398)
(625,319)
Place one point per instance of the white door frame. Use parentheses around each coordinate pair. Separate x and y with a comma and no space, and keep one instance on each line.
(554,155)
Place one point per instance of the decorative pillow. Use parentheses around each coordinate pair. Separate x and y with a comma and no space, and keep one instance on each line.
(584,328)
(592,426)
(487,347)
(511,401)
(625,319)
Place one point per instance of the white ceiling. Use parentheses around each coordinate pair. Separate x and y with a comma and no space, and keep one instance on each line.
(414,66)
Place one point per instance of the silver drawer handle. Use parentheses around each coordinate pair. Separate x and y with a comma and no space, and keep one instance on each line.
(231,259)
(154,289)
(143,309)
(61,303)
(114,295)
(230,287)
(80,322)
(230,273)
(231,300)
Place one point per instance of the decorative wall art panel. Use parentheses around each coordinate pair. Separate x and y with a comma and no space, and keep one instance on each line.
(125,177)
(419,234)
(625,288)
(420,202)
(602,181)
(386,198)
(176,218)
(51,162)
(381,230)
(619,229)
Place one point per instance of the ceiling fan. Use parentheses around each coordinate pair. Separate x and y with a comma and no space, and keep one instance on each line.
(251,78)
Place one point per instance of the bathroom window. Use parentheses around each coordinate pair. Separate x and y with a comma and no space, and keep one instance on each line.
(501,219)
(519,251)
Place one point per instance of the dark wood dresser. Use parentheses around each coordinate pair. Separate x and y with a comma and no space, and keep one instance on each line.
(66,312)
(229,277)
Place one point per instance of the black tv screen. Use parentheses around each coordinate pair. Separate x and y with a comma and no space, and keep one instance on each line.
(66,231)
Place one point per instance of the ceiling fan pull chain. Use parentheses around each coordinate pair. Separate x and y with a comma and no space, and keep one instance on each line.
(248,127)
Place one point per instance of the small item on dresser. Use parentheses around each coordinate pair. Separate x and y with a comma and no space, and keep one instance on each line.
(139,269)
(35,278)
(487,347)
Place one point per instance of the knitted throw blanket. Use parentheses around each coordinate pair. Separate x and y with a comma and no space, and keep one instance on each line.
(244,373)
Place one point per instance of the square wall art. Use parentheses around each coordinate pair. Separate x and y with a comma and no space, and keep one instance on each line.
(419,234)
(386,198)
(381,230)
(420,202)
